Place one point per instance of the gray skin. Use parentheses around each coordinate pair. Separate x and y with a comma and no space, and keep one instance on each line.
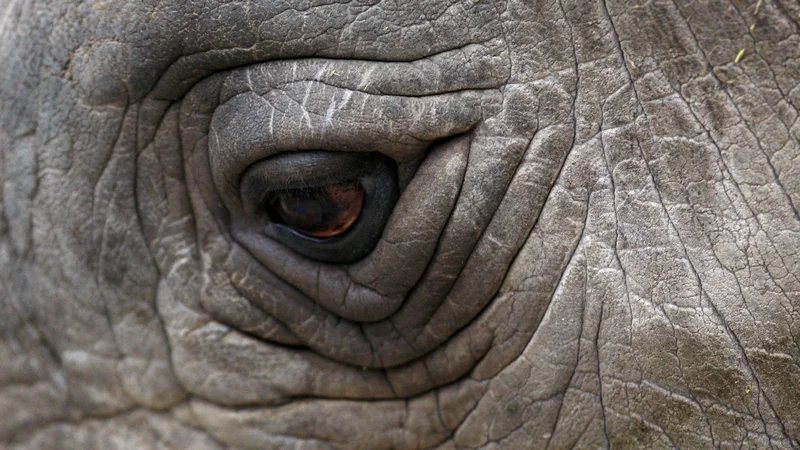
(597,243)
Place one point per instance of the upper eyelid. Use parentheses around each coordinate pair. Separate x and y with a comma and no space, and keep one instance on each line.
(300,184)
(299,179)
(248,128)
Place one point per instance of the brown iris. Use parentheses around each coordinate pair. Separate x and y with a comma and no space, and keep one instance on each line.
(324,211)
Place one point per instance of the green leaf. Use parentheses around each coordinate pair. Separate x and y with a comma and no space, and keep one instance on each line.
(739,56)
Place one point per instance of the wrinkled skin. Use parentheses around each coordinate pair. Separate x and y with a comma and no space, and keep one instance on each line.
(597,242)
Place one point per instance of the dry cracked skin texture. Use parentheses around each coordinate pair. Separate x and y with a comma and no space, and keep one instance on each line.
(598,244)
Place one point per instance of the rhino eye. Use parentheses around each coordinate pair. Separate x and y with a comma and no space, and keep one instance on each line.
(327,206)
(321,212)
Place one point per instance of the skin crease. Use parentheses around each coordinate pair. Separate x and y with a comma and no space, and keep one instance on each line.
(600,248)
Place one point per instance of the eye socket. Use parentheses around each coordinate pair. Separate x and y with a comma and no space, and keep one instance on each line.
(320,212)
(327,206)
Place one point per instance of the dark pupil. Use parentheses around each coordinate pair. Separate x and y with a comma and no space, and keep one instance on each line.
(323,211)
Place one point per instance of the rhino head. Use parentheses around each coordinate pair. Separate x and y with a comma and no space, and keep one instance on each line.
(375,224)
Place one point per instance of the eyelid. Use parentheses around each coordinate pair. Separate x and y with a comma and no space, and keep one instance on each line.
(250,128)
(300,171)
(286,168)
